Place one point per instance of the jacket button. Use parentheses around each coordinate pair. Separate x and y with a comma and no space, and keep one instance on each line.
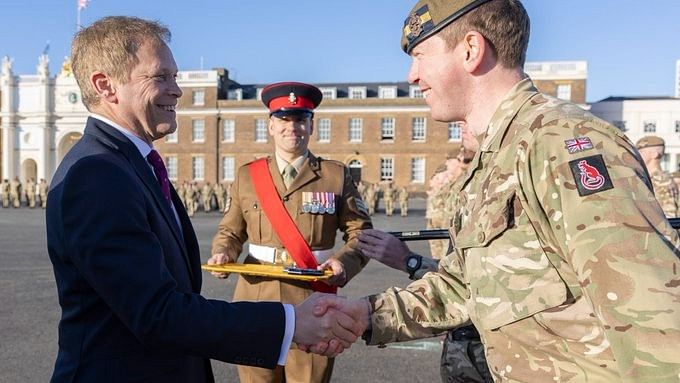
(285,199)
(481,237)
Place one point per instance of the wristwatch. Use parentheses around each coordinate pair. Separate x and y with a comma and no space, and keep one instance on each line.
(413,263)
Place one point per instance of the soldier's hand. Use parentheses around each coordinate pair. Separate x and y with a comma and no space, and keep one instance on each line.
(339,277)
(219,259)
(384,248)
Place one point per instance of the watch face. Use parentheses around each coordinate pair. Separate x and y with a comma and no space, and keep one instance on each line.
(412,262)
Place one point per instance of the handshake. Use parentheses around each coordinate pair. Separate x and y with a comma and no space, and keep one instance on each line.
(327,324)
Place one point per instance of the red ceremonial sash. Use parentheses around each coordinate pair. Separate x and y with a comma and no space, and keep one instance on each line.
(283,224)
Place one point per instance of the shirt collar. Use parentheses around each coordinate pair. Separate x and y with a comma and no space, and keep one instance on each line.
(506,112)
(141,145)
(297,163)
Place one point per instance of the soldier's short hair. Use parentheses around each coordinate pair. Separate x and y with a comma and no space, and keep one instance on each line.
(503,23)
(110,45)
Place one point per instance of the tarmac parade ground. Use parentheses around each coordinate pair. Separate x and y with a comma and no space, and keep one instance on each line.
(29,310)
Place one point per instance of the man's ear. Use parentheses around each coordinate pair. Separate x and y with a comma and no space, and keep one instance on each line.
(104,87)
(475,48)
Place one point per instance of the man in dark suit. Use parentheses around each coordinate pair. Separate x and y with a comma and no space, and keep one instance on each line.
(125,255)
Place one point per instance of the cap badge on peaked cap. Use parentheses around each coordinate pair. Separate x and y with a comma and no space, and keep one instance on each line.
(292,99)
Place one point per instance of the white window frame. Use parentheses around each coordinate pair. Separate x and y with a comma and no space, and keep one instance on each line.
(564,91)
(455,126)
(649,126)
(387,128)
(228,168)
(198,97)
(356,92)
(261,130)
(387,92)
(172,138)
(171,165)
(196,128)
(415,92)
(197,168)
(418,130)
(418,170)
(228,130)
(356,129)
(329,93)
(324,128)
(386,168)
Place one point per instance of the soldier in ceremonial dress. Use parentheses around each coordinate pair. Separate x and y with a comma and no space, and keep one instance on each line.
(320,199)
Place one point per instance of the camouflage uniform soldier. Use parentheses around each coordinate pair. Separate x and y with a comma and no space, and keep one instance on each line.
(371,198)
(15,192)
(563,258)
(30,193)
(190,199)
(388,197)
(652,151)
(435,212)
(227,201)
(403,201)
(43,188)
(220,195)
(206,195)
(4,193)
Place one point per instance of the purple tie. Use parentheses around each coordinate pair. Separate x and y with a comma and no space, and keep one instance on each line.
(161,173)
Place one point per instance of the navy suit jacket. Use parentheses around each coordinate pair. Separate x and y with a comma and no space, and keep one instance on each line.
(128,277)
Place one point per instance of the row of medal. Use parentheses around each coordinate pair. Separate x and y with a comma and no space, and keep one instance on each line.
(318,202)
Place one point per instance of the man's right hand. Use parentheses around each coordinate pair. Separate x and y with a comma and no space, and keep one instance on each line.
(324,329)
(219,259)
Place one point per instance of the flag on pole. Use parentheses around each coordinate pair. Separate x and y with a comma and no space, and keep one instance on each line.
(82,4)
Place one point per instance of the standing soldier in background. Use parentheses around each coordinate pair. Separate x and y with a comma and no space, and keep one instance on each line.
(206,195)
(4,193)
(652,150)
(15,192)
(403,201)
(180,193)
(676,178)
(43,188)
(388,197)
(435,212)
(30,192)
(190,198)
(227,199)
(290,206)
(371,198)
(220,195)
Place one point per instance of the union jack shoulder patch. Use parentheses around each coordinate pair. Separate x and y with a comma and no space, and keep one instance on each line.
(576,145)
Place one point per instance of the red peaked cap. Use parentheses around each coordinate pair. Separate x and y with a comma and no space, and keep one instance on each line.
(286,98)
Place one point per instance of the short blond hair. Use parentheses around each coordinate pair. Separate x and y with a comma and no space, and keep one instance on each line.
(503,23)
(110,46)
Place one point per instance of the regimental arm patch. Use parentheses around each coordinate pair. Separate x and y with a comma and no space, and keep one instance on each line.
(579,144)
(590,175)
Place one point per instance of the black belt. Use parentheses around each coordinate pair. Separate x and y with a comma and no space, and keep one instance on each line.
(464,333)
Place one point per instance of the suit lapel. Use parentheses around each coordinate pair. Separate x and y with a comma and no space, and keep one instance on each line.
(117,140)
(309,171)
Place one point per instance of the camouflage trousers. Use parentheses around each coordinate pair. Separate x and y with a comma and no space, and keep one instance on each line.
(463,359)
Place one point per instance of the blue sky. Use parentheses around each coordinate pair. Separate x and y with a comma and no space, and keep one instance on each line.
(631,46)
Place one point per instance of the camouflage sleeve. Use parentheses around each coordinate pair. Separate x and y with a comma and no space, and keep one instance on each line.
(426,307)
(594,209)
(232,229)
